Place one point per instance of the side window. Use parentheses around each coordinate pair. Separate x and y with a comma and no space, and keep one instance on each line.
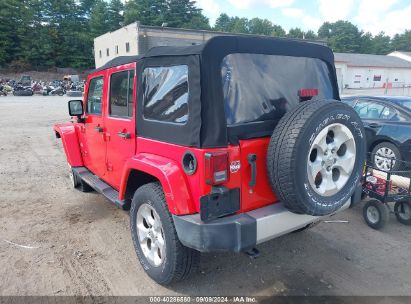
(121,94)
(95,95)
(389,114)
(165,94)
(369,110)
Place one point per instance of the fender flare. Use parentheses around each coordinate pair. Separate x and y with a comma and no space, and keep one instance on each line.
(169,174)
(67,133)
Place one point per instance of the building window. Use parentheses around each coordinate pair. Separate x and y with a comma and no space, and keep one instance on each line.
(108,52)
(116,49)
(165,94)
(101,55)
(127,47)
(377,77)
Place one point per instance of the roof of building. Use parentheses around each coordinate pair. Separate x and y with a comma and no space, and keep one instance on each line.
(368,60)
(404,53)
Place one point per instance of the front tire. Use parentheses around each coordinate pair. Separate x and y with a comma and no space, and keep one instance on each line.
(155,239)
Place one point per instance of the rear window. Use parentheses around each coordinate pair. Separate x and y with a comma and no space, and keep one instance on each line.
(260,87)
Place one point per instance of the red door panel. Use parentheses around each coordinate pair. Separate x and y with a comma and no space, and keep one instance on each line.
(119,122)
(93,145)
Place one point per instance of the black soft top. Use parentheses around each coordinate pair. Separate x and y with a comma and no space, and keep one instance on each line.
(207,125)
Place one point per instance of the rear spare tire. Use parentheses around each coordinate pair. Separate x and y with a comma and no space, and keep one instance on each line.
(315,156)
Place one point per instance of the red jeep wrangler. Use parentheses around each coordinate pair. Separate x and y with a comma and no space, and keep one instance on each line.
(215,147)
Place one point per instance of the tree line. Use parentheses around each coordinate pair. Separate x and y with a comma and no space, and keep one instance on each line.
(40,34)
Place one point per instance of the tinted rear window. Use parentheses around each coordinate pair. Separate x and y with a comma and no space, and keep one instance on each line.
(260,87)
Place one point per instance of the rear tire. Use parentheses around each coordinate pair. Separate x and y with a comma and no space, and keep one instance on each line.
(155,239)
(403,212)
(315,157)
(376,214)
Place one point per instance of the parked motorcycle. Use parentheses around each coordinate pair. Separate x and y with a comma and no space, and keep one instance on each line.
(2,91)
(20,90)
(50,90)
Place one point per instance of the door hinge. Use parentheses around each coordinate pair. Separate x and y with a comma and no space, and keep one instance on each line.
(109,166)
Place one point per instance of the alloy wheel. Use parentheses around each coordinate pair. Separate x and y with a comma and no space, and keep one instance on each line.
(331,159)
(151,235)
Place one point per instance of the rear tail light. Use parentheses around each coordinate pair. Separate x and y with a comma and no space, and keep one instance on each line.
(216,168)
(308,93)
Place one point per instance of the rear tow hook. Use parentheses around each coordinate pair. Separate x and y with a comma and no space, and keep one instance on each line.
(252,253)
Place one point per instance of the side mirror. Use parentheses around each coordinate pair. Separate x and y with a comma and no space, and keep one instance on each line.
(75,108)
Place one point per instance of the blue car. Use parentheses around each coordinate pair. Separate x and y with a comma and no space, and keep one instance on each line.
(387,122)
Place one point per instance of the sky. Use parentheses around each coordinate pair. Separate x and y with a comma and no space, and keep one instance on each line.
(390,16)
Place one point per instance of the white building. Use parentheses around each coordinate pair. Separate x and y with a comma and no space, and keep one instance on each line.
(136,39)
(372,71)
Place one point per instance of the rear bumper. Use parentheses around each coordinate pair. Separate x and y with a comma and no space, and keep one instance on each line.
(240,232)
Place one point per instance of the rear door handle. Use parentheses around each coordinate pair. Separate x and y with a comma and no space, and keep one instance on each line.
(124,135)
(374,125)
(98,129)
(252,158)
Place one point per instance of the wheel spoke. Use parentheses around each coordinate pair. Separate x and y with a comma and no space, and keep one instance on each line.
(341,137)
(315,167)
(327,185)
(345,163)
(149,231)
(143,232)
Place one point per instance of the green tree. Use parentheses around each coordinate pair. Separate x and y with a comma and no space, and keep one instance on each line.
(182,13)
(240,25)
(148,12)
(310,35)
(342,36)
(296,33)
(99,19)
(115,14)
(402,42)
(12,28)
(260,26)
(366,43)
(278,31)
(381,44)
(223,23)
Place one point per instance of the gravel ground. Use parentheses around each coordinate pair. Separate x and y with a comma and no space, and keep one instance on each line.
(58,241)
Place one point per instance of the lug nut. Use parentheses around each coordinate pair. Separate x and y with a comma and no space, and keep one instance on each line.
(328,168)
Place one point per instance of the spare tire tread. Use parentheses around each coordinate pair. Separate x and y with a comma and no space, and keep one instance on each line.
(276,147)
(282,153)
